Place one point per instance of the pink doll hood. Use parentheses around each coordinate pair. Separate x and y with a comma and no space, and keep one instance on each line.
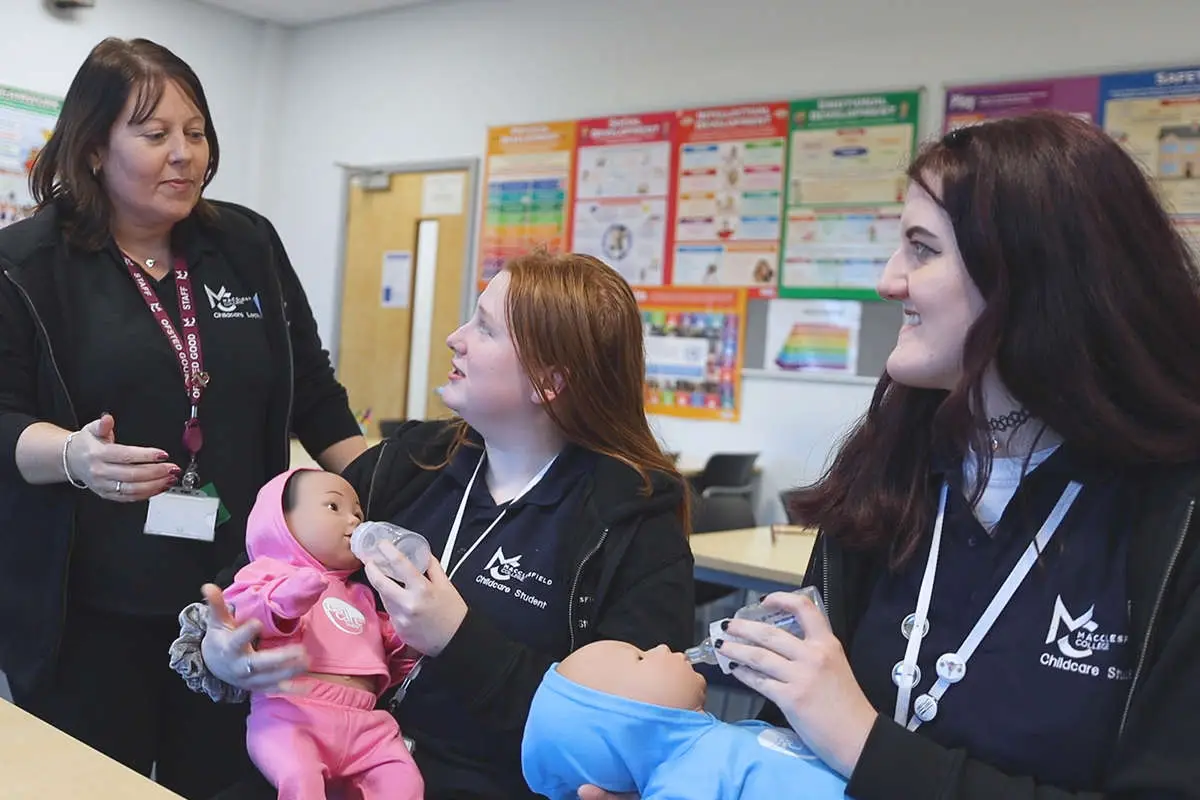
(267,532)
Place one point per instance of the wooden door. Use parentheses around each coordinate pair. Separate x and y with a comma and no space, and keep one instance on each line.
(402,292)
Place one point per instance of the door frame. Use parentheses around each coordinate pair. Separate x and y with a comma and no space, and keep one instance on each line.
(470,209)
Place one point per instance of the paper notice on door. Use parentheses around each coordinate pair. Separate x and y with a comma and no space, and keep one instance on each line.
(397,279)
(442,194)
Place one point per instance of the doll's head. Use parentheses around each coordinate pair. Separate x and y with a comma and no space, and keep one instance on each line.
(659,677)
(321,510)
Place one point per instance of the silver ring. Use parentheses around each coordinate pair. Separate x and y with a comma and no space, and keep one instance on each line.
(120,486)
(249,667)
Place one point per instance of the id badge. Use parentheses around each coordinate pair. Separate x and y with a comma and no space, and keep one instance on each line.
(183,514)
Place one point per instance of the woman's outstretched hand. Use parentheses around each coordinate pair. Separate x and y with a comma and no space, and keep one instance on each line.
(229,653)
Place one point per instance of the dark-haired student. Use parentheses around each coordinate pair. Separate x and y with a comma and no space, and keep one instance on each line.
(123,269)
(1009,548)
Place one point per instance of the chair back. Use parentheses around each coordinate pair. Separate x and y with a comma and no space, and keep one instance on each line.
(722,513)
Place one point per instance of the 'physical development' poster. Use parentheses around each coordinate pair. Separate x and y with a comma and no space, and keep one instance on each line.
(623,181)
(526,203)
(26,121)
(730,196)
(846,184)
(694,343)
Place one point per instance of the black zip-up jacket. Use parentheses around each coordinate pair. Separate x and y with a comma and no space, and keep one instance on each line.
(626,551)
(629,559)
(36,346)
(1158,752)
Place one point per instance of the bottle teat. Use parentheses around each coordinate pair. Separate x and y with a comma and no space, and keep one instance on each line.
(703,653)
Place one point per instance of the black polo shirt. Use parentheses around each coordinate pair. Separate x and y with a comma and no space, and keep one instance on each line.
(512,578)
(125,366)
(1044,693)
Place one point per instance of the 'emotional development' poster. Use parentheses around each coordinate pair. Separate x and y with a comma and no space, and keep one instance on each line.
(846,183)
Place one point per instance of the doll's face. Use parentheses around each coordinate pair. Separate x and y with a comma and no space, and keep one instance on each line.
(659,676)
(324,512)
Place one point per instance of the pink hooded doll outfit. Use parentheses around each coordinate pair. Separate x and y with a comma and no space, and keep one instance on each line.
(320,732)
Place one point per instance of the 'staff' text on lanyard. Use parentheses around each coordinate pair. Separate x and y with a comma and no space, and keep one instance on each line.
(187,349)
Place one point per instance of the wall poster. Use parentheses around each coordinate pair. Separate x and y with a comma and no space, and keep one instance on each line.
(694,344)
(623,179)
(846,185)
(26,121)
(730,196)
(526,203)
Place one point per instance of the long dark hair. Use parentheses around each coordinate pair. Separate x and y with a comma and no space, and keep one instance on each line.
(115,69)
(1092,319)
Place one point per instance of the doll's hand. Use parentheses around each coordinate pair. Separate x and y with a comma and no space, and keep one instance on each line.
(426,610)
(809,679)
(596,793)
(296,595)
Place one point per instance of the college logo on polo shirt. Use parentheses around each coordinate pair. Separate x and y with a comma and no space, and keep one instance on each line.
(226,305)
(1081,646)
(501,573)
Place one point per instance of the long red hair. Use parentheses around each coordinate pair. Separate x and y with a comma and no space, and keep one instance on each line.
(575,319)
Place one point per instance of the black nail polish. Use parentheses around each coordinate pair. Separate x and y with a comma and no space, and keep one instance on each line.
(733,665)
(718,643)
(724,624)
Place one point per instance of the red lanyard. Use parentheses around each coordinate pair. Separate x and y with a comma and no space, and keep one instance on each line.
(187,349)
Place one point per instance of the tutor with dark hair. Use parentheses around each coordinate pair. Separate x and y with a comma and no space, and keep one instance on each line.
(557,520)
(148,338)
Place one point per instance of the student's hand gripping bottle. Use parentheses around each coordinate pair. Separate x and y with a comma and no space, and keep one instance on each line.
(706,653)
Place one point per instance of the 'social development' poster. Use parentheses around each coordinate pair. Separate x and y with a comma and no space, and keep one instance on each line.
(1156,117)
(694,341)
(526,203)
(622,194)
(971,105)
(846,186)
(730,196)
(26,121)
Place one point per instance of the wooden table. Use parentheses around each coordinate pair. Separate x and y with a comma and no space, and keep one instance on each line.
(749,559)
(39,761)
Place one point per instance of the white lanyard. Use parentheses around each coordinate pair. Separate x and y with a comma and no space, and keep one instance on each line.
(448,551)
(952,667)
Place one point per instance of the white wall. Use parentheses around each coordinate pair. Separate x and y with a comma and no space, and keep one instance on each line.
(424,83)
(237,61)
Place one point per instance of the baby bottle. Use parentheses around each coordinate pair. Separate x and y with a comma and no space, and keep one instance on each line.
(706,653)
(367,536)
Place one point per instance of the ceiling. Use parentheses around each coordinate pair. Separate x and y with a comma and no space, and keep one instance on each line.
(306,12)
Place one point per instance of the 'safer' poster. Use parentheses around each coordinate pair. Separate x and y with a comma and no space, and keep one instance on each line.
(527,187)
(623,177)
(694,344)
(846,184)
(1156,117)
(26,121)
(730,196)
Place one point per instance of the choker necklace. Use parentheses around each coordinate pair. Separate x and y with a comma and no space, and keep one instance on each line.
(1006,422)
